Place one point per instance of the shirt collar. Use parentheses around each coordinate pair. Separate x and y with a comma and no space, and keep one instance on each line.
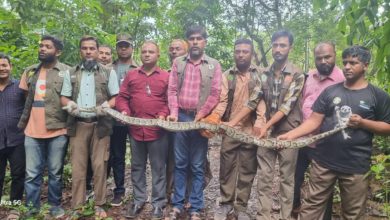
(203,59)
(133,63)
(157,70)
(287,69)
(332,76)
(56,66)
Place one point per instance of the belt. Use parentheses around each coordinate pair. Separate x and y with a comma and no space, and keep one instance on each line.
(188,111)
(87,120)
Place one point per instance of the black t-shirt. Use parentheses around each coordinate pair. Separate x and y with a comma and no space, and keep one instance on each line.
(351,155)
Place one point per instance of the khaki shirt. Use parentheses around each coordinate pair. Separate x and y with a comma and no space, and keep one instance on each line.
(242,98)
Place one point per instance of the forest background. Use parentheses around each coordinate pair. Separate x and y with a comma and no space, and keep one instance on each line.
(344,22)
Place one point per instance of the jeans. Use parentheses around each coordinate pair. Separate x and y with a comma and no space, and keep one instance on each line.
(17,163)
(190,152)
(39,153)
(117,157)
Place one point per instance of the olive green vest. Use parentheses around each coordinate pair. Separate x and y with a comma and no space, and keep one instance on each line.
(207,70)
(102,73)
(294,118)
(55,117)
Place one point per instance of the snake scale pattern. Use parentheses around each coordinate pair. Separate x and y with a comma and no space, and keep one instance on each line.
(229,131)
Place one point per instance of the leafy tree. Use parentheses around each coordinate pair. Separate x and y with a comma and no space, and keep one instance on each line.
(365,22)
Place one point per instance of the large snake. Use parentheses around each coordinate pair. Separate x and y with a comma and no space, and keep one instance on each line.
(217,128)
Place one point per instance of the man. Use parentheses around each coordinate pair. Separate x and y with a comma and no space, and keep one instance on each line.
(325,74)
(105,58)
(143,94)
(282,84)
(193,91)
(345,156)
(241,87)
(125,63)
(177,48)
(105,55)
(11,137)
(89,85)
(45,126)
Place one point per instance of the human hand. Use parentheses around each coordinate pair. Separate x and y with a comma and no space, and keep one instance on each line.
(284,137)
(355,121)
(171,118)
(256,131)
(212,118)
(198,117)
(123,121)
(100,109)
(263,132)
(161,117)
(72,108)
(206,133)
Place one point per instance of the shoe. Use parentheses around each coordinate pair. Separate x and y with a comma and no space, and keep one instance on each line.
(13,215)
(157,213)
(117,200)
(56,212)
(31,213)
(195,216)
(90,195)
(74,215)
(100,213)
(133,211)
(222,212)
(174,214)
(242,216)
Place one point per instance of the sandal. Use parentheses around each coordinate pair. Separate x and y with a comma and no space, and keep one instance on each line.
(195,216)
(100,212)
(174,214)
(13,215)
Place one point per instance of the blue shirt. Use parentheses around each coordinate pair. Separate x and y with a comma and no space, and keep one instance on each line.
(11,108)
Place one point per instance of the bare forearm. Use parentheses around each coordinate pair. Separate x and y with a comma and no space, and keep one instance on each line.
(111,102)
(240,115)
(307,127)
(376,127)
(274,119)
(65,100)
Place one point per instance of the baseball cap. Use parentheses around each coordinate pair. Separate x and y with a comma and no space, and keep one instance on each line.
(124,38)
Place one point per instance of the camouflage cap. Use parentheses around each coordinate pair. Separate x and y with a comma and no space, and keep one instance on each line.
(124,38)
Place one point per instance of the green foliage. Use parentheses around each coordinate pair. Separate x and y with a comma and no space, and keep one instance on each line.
(380,170)
(367,23)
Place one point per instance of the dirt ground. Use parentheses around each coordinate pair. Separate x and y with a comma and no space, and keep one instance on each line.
(211,196)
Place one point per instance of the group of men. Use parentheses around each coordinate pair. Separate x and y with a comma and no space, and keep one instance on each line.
(53,102)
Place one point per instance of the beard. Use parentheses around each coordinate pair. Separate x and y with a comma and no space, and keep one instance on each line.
(47,59)
(279,58)
(89,64)
(196,53)
(243,66)
(325,69)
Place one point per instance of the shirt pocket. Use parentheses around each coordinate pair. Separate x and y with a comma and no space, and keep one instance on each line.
(57,85)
